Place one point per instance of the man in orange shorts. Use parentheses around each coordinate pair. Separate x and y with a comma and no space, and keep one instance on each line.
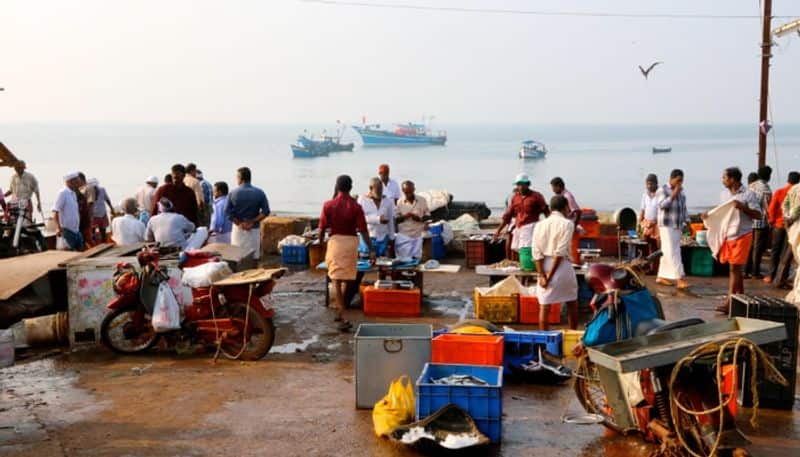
(736,248)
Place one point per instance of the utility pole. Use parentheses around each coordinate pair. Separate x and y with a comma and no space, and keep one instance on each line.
(766,54)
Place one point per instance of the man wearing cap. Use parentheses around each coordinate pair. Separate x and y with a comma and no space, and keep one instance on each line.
(22,189)
(390,187)
(525,207)
(144,197)
(66,214)
(168,228)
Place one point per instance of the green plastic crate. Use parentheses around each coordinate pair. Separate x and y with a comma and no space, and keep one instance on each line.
(701,263)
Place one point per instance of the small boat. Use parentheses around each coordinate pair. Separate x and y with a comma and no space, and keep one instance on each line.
(337,146)
(301,152)
(409,134)
(661,150)
(531,149)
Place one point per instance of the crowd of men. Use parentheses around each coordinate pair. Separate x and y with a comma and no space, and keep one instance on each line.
(183,212)
(392,218)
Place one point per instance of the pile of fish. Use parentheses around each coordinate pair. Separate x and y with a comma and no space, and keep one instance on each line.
(460,380)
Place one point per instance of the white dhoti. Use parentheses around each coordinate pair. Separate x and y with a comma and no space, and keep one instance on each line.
(563,286)
(793,238)
(197,239)
(407,247)
(671,265)
(522,237)
(249,240)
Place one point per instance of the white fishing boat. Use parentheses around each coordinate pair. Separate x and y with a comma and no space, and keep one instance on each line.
(532,150)
(661,149)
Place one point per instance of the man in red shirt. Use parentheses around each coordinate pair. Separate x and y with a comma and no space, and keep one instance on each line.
(182,197)
(344,219)
(778,250)
(525,207)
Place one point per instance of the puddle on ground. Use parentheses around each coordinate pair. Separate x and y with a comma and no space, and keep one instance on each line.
(291,348)
(39,395)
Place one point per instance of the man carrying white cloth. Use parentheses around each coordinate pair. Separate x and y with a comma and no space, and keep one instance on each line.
(552,241)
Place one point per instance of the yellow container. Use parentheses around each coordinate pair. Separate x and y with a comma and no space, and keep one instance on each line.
(499,310)
(570,340)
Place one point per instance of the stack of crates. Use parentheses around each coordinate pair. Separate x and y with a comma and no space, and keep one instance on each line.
(701,263)
(783,353)
(483,252)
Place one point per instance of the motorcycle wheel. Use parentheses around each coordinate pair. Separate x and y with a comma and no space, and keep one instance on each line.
(112,332)
(591,394)
(257,338)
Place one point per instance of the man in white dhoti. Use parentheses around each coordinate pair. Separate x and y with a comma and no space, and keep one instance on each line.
(247,207)
(412,221)
(557,283)
(672,216)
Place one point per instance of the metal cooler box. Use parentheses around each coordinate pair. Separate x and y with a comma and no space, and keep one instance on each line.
(384,352)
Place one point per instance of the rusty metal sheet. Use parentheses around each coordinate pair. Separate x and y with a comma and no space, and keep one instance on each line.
(19,272)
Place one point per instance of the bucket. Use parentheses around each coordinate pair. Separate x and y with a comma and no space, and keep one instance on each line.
(526,260)
(702,237)
(316,254)
(6,348)
(47,330)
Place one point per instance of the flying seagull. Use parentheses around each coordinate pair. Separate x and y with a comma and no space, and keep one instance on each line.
(647,72)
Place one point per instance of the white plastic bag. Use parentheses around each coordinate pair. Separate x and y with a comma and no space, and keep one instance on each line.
(166,313)
(61,244)
(205,274)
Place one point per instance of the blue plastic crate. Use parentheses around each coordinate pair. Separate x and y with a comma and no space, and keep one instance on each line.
(522,347)
(483,403)
(441,331)
(294,255)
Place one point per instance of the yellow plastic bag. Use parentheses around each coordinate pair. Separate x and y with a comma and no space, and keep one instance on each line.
(396,408)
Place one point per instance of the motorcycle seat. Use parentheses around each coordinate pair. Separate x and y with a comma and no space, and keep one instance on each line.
(653,326)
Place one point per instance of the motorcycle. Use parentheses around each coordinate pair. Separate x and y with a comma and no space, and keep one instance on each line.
(235,314)
(19,235)
(625,308)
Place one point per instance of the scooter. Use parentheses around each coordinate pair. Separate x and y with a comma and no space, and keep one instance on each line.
(641,314)
(234,314)
(18,234)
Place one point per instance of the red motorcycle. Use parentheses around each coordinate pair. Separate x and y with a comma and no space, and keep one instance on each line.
(234,315)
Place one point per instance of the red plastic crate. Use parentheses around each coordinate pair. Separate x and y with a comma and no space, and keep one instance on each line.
(476,252)
(392,302)
(592,229)
(608,245)
(529,311)
(467,349)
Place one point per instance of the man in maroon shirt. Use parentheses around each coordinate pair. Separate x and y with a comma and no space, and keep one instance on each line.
(182,197)
(525,207)
(344,219)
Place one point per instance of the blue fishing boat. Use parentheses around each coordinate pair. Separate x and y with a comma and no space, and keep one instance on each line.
(307,148)
(409,134)
(531,149)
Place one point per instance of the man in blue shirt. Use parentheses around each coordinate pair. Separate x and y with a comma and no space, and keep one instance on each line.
(220,224)
(247,207)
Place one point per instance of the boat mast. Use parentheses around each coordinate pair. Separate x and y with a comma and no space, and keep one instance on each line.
(766,54)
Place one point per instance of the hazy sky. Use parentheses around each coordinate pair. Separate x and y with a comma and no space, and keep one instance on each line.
(289,61)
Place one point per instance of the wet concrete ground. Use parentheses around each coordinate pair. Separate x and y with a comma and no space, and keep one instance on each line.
(299,400)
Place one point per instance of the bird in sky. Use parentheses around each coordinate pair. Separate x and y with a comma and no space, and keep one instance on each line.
(647,72)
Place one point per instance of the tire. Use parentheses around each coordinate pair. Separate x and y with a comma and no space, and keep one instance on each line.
(590,393)
(261,334)
(113,339)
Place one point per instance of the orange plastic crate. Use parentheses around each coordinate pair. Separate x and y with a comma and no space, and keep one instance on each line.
(529,311)
(592,229)
(392,302)
(467,349)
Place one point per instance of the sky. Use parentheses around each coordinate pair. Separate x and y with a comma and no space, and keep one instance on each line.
(289,61)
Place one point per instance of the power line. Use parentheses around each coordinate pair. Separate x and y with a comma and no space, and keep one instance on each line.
(454,9)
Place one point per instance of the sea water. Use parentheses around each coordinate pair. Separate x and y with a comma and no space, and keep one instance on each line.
(603,165)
